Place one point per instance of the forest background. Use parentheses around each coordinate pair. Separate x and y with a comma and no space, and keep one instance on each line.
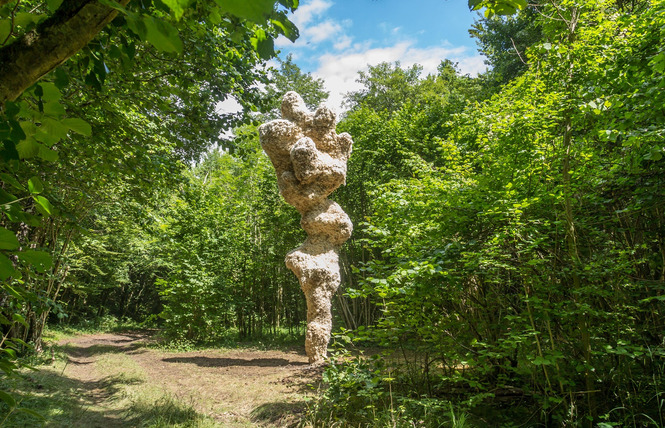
(509,232)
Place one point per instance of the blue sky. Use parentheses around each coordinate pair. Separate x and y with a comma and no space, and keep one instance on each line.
(338,38)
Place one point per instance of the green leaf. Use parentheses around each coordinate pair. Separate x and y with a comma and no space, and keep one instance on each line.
(10,290)
(28,148)
(4,130)
(115,52)
(114,5)
(35,185)
(53,5)
(4,320)
(92,80)
(40,260)
(57,128)
(177,7)
(649,299)
(8,151)
(497,7)
(10,351)
(48,138)
(263,44)
(266,48)
(61,78)
(256,11)
(31,413)
(214,17)
(290,4)
(658,63)
(286,27)
(11,402)
(17,134)
(47,154)
(475,4)
(162,35)
(12,181)
(16,341)
(51,92)
(7,366)
(540,361)
(12,109)
(5,28)
(54,109)
(25,19)
(137,25)
(6,197)
(28,128)
(77,125)
(43,205)
(19,319)
(8,239)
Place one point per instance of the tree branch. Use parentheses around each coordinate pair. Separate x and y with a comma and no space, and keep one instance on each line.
(36,53)
(518,52)
(11,25)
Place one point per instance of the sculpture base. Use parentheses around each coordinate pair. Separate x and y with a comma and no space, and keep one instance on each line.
(317,269)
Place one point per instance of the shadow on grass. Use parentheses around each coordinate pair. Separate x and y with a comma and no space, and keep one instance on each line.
(68,402)
(307,380)
(281,414)
(127,343)
(78,351)
(234,362)
(62,401)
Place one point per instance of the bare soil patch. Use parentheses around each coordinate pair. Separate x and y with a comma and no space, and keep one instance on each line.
(232,387)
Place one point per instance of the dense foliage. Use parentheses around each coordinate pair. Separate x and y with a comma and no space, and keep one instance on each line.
(508,261)
(204,256)
(104,132)
(518,248)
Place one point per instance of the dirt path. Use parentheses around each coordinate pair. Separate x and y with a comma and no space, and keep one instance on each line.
(122,380)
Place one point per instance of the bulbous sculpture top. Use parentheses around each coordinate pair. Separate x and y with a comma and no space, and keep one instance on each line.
(308,155)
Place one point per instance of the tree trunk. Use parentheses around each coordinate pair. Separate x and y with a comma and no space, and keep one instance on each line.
(36,53)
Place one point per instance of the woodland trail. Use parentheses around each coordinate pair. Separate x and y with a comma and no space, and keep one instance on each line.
(124,380)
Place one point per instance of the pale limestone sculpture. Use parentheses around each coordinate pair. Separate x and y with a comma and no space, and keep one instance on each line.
(310,161)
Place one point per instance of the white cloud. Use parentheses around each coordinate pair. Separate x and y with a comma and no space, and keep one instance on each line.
(340,71)
(306,12)
(472,65)
(344,56)
(343,42)
(314,27)
(323,31)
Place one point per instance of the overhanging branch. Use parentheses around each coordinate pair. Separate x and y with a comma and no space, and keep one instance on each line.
(36,53)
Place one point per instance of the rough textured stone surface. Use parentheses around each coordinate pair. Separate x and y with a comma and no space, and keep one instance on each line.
(310,161)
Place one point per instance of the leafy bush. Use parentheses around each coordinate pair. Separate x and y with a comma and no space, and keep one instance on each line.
(358,390)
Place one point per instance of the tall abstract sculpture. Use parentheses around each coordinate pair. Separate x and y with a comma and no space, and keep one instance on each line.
(310,161)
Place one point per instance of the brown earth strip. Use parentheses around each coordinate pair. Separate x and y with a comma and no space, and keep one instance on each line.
(232,388)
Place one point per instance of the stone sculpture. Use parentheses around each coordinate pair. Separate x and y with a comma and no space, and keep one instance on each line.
(310,161)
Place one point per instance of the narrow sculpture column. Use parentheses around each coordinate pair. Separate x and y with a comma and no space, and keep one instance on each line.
(310,161)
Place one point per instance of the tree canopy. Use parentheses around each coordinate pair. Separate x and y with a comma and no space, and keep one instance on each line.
(507,261)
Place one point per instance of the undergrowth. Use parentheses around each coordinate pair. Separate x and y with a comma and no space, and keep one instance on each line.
(48,397)
(281,339)
(106,324)
(386,390)
(363,391)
